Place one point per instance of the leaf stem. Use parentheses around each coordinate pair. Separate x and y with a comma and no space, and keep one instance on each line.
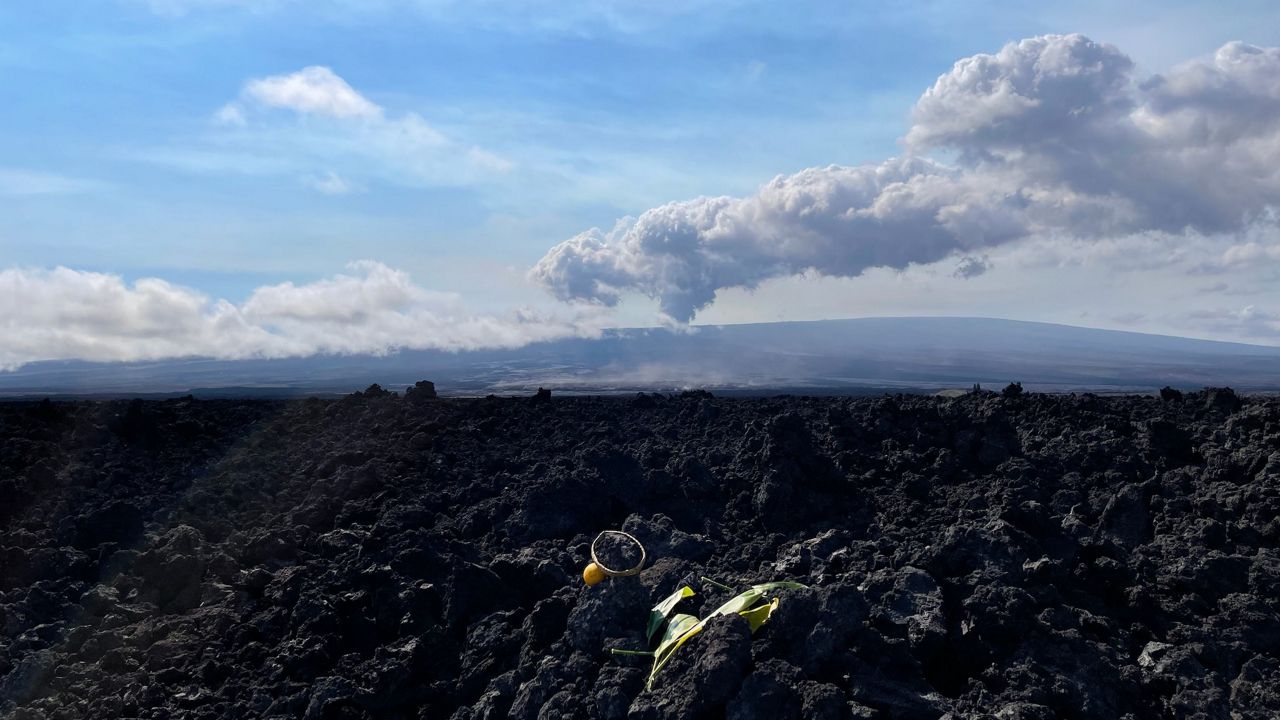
(617,651)
(722,586)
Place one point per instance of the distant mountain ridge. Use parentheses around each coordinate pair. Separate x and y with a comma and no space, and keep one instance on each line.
(823,356)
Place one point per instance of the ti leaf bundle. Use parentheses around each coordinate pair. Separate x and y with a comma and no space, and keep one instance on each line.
(754,604)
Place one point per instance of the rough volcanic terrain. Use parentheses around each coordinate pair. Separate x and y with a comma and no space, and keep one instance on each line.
(382,556)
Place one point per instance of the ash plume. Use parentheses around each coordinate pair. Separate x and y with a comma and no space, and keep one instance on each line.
(1049,137)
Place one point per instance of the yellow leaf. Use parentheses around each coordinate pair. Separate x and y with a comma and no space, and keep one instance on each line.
(760,615)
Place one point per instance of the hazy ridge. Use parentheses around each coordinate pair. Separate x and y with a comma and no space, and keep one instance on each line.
(826,356)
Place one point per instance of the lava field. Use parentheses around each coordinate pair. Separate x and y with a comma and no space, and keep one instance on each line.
(1015,556)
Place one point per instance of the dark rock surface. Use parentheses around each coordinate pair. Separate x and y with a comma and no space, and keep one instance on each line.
(996,555)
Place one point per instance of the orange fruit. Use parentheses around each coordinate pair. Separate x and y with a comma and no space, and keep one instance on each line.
(592,574)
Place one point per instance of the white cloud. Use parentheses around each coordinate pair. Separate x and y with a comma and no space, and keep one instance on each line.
(1036,91)
(1250,253)
(1250,322)
(311,90)
(296,121)
(230,114)
(1051,139)
(72,314)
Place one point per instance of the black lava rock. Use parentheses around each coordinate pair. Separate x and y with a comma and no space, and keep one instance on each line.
(421,391)
(1011,555)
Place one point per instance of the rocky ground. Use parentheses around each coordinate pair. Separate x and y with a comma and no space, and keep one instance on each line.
(385,556)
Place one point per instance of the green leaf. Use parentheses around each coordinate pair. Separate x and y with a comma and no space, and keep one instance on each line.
(659,614)
(748,598)
(682,628)
(679,625)
(739,602)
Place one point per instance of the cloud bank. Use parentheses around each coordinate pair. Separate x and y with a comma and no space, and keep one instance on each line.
(71,314)
(1050,137)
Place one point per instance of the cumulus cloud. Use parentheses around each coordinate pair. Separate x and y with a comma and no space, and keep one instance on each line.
(1048,138)
(312,89)
(72,314)
(1031,94)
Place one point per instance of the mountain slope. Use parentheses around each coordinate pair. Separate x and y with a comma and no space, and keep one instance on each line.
(820,356)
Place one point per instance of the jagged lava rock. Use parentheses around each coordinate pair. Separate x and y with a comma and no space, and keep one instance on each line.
(1009,555)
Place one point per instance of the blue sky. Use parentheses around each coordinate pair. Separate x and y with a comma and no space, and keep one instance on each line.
(544,119)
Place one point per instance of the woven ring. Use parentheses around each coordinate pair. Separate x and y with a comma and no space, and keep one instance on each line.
(609,572)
